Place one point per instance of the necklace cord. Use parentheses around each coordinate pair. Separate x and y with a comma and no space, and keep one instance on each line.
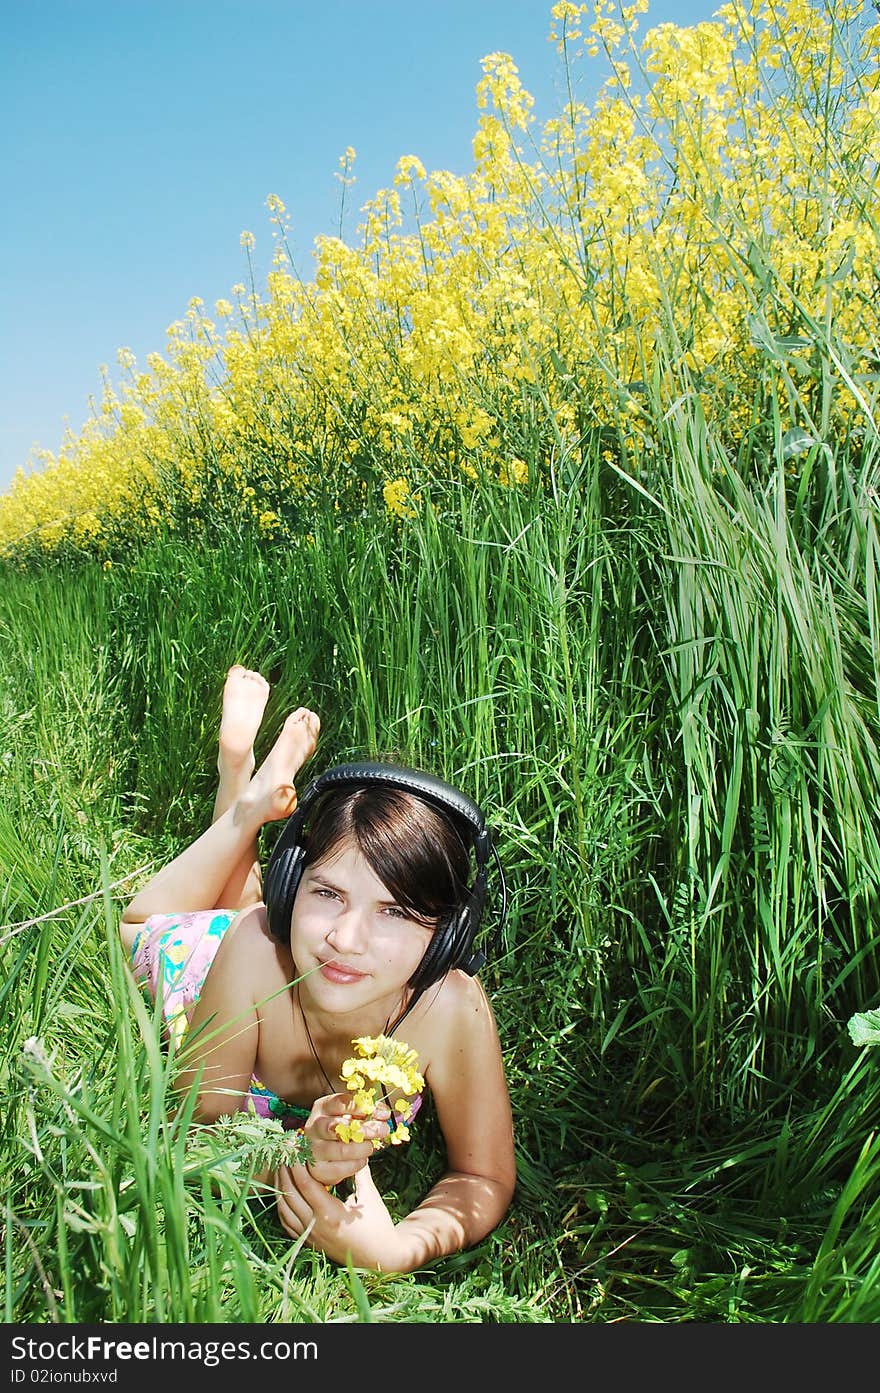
(317,1057)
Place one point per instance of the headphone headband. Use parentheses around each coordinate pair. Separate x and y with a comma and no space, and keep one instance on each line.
(452,942)
(442,796)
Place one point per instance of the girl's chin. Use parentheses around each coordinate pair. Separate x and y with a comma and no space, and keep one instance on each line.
(338,992)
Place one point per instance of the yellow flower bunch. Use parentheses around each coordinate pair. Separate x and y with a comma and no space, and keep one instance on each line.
(380,1062)
(395,493)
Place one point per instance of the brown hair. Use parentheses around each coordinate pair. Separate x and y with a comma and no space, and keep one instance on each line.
(415,850)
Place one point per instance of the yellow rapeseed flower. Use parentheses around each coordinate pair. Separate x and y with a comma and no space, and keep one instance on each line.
(395,493)
(529,293)
(513,471)
(380,1062)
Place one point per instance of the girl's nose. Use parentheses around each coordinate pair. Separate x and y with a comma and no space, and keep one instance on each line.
(349,931)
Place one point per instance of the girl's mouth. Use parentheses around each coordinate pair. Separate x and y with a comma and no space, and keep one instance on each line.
(340,974)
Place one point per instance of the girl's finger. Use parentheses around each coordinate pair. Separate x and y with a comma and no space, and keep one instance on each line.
(315,1195)
(340,1105)
(289,1219)
(286,1186)
(346,1149)
(293,1211)
(327,1145)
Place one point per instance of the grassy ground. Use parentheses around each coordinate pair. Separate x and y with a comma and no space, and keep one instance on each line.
(666,699)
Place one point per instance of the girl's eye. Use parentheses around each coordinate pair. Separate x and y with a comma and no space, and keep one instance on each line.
(396,912)
(325,893)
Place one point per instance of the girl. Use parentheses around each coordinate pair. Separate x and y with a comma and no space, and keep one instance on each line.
(270,1017)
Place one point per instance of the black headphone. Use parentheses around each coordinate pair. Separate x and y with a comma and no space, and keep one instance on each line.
(452,943)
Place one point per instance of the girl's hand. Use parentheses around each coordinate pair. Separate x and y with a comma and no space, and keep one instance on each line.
(358,1229)
(334,1160)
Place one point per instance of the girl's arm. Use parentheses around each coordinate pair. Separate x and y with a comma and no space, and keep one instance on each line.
(466,1077)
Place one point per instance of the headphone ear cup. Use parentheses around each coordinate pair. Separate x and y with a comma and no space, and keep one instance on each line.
(435,959)
(467,959)
(283,875)
(451,946)
(466,927)
(461,936)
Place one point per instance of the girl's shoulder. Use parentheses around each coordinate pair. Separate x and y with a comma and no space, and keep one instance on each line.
(248,947)
(462,995)
(457,1040)
(451,1014)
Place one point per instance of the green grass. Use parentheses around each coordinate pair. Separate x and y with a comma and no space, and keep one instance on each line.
(666,698)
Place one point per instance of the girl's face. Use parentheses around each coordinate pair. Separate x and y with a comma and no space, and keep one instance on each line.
(353,944)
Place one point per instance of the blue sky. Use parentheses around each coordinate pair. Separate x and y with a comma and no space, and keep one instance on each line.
(142,137)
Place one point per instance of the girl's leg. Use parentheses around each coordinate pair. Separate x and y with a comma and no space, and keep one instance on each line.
(198,877)
(245,694)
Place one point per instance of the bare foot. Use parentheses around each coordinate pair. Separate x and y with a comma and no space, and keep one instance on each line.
(245,694)
(271,791)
